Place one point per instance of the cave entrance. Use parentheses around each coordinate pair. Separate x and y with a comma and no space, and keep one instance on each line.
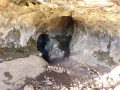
(56,45)
(42,41)
(53,47)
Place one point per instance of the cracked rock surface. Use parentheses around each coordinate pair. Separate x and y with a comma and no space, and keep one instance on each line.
(14,73)
(94,48)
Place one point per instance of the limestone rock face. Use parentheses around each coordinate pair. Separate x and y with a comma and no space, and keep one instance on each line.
(54,50)
(93,24)
(92,46)
(15,73)
(30,21)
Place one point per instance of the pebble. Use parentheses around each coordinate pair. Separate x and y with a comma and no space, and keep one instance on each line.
(28,87)
(40,54)
(49,83)
(58,69)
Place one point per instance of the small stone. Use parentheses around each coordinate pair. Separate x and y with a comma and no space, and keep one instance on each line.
(49,83)
(67,71)
(53,80)
(28,87)
(9,58)
(40,54)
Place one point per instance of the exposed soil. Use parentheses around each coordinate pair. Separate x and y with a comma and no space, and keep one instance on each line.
(54,80)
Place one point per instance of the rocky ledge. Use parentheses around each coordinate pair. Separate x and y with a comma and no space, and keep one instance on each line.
(85,32)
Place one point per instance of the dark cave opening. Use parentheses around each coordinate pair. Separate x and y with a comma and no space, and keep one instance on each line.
(47,46)
(57,46)
(41,43)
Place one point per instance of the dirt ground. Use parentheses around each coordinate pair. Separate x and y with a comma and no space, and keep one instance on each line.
(56,79)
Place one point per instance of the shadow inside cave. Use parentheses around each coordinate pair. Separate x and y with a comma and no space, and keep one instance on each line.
(43,39)
(53,48)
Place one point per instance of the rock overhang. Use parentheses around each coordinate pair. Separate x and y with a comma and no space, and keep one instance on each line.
(100,22)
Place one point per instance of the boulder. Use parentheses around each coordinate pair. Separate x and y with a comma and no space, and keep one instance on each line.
(15,73)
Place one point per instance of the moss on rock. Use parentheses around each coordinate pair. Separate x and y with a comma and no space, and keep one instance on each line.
(1,50)
(104,57)
(31,46)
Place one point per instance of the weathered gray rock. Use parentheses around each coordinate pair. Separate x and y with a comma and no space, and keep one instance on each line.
(95,30)
(14,73)
(28,87)
(54,50)
(92,47)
